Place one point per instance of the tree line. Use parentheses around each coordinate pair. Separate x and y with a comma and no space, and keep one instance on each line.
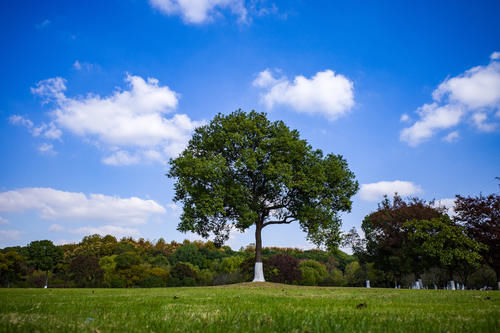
(99,261)
(405,240)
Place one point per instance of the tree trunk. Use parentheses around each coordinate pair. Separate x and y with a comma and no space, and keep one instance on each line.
(258,270)
(497,271)
(46,279)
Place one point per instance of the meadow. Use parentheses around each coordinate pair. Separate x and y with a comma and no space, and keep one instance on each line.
(249,307)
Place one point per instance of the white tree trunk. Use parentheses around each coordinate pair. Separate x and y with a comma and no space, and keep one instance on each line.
(498,285)
(452,285)
(367,283)
(259,273)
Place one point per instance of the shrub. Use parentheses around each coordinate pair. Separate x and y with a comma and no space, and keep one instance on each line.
(312,272)
(287,269)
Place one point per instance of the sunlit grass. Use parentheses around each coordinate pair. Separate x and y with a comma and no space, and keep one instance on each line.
(249,307)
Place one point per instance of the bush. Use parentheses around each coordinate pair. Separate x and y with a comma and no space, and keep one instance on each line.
(287,269)
(354,275)
(312,272)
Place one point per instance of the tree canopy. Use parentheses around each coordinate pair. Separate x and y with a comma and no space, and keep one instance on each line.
(242,170)
(387,242)
(481,218)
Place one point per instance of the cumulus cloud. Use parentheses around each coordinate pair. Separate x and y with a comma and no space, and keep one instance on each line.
(325,93)
(200,11)
(376,191)
(131,123)
(432,118)
(53,204)
(471,96)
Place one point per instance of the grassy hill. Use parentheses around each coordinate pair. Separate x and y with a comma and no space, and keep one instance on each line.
(249,307)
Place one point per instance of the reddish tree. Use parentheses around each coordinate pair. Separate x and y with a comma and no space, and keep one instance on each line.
(288,269)
(481,218)
(387,243)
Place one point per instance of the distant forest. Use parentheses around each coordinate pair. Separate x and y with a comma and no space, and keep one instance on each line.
(404,241)
(107,262)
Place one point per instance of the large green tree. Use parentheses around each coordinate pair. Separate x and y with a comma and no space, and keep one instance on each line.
(44,255)
(387,243)
(242,170)
(445,243)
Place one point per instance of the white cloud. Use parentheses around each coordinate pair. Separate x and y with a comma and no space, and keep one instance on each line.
(452,137)
(131,123)
(376,191)
(9,234)
(82,65)
(432,118)
(474,93)
(200,11)
(113,230)
(49,131)
(56,227)
(326,93)
(53,204)
(404,118)
(495,56)
(46,148)
(448,203)
(20,120)
(480,120)
(3,220)
(121,158)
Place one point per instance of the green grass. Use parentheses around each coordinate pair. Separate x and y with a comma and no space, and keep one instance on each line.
(262,307)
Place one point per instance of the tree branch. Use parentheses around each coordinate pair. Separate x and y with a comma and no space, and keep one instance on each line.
(285,221)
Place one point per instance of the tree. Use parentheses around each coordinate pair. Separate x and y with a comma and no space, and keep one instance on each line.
(481,218)
(44,255)
(11,267)
(242,170)
(386,239)
(86,271)
(288,268)
(445,243)
(312,272)
(188,253)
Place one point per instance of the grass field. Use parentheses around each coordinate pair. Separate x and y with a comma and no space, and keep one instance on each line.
(249,307)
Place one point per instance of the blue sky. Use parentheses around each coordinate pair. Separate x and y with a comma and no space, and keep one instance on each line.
(97,96)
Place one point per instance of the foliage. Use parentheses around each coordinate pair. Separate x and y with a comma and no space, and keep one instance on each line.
(11,267)
(354,275)
(86,271)
(287,269)
(386,239)
(188,253)
(312,272)
(43,254)
(242,170)
(444,243)
(481,218)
